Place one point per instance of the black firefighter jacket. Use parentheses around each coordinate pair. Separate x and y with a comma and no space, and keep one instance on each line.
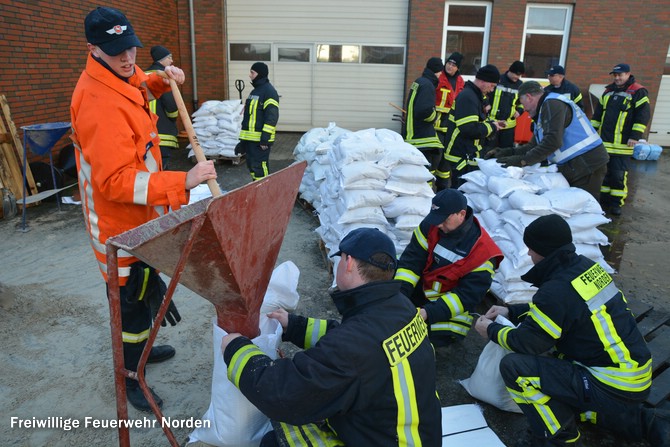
(362,376)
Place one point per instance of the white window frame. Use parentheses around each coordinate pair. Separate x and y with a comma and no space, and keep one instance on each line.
(565,32)
(486,29)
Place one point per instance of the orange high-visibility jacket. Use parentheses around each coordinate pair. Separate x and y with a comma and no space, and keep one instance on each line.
(118,157)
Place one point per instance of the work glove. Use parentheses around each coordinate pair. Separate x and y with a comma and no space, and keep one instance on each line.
(240,149)
(146,286)
(512,160)
(155,301)
(498,152)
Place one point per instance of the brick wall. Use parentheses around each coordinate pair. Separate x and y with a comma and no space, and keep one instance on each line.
(602,35)
(44,51)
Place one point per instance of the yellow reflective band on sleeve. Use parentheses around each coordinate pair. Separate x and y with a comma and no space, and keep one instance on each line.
(174,114)
(240,360)
(407,276)
(467,119)
(408,412)
(315,330)
(270,102)
(642,101)
(453,302)
(432,117)
(453,325)
(546,323)
(577,98)
(639,127)
(502,337)
(420,238)
(401,344)
(486,267)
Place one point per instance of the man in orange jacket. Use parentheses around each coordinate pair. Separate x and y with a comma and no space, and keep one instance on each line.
(119,166)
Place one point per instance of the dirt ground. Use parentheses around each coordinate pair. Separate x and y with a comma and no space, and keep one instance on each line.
(56,357)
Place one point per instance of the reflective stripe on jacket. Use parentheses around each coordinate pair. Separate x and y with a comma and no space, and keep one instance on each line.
(578,138)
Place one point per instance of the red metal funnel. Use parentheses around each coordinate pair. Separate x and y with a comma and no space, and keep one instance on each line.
(235,238)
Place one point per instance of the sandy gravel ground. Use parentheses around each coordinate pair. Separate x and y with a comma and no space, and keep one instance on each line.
(55,359)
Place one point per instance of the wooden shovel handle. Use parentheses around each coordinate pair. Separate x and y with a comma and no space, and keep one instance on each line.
(192,137)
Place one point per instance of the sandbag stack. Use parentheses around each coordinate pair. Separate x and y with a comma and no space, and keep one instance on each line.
(507,200)
(217,125)
(369,178)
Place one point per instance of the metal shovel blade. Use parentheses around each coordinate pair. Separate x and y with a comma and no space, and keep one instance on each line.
(235,238)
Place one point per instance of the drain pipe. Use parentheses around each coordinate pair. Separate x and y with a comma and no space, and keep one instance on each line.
(193,58)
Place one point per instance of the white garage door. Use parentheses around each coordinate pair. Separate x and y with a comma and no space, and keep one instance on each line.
(659,132)
(339,62)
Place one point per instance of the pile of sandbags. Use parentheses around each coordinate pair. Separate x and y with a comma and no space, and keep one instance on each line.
(507,200)
(217,125)
(369,178)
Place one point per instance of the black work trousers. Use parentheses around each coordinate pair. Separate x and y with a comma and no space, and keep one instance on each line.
(257,160)
(552,392)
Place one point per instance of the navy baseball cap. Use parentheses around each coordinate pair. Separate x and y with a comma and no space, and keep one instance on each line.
(556,69)
(109,29)
(620,68)
(363,243)
(445,203)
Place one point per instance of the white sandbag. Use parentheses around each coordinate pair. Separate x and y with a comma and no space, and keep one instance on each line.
(478,201)
(572,201)
(371,215)
(402,153)
(490,218)
(530,203)
(547,180)
(491,167)
(590,236)
(411,173)
(473,188)
(233,420)
(479,178)
(421,189)
(584,221)
(408,221)
(407,205)
(358,198)
(486,382)
(498,204)
(282,289)
(366,183)
(505,186)
(358,170)
(388,136)
(591,251)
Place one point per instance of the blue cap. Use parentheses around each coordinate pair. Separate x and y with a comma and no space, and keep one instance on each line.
(445,203)
(363,243)
(109,29)
(556,69)
(621,68)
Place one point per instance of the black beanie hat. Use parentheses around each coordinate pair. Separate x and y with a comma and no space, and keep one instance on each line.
(488,73)
(262,69)
(158,52)
(456,58)
(547,234)
(435,64)
(517,67)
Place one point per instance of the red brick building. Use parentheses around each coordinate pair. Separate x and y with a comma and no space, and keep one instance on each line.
(44,48)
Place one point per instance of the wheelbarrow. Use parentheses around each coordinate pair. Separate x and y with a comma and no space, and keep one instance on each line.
(223,248)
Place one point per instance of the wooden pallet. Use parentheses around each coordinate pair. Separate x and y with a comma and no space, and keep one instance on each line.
(11,156)
(654,328)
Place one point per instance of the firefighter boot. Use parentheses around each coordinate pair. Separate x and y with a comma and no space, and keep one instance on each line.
(137,399)
(656,426)
(160,353)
